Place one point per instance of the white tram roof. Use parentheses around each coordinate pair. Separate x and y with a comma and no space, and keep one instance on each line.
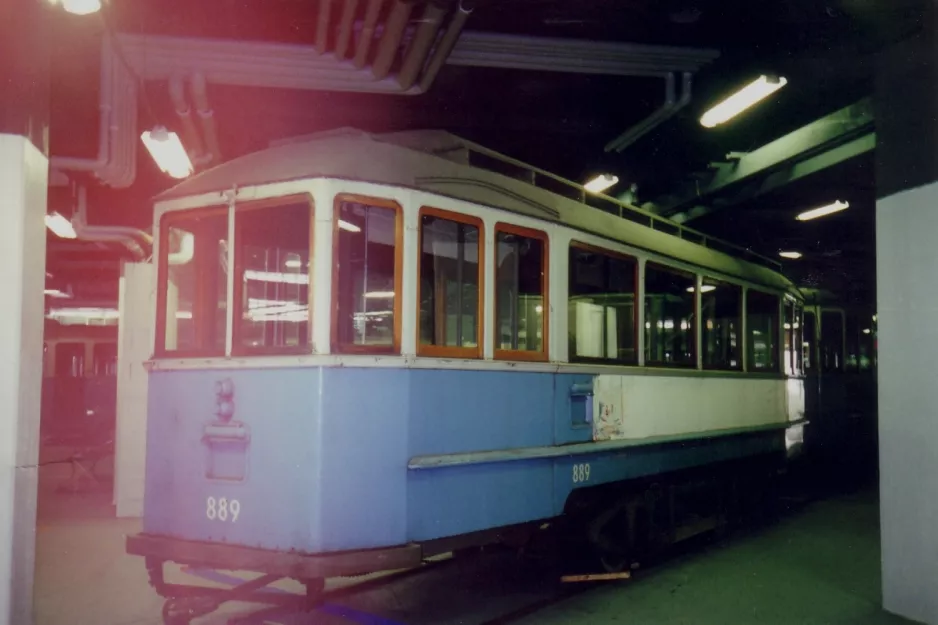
(443,163)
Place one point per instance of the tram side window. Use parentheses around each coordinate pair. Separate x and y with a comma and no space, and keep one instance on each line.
(762,331)
(273,275)
(720,311)
(520,293)
(799,330)
(793,351)
(367,275)
(450,275)
(669,317)
(832,340)
(194,282)
(867,344)
(810,341)
(105,359)
(602,306)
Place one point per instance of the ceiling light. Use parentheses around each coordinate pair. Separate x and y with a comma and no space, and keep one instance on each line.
(814,213)
(749,95)
(276,276)
(600,183)
(57,293)
(704,289)
(293,263)
(79,7)
(866,330)
(344,225)
(792,255)
(61,226)
(166,149)
(380,294)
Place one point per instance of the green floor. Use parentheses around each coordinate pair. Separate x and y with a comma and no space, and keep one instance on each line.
(818,565)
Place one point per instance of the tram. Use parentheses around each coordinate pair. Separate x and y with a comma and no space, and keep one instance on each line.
(374,348)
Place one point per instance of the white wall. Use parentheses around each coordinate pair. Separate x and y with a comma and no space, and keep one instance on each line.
(642,406)
(137,306)
(23,176)
(907,309)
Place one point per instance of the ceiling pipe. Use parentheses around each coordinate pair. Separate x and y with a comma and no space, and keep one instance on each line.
(192,138)
(416,56)
(445,46)
(117,126)
(666,111)
(391,40)
(367,34)
(344,34)
(200,96)
(138,242)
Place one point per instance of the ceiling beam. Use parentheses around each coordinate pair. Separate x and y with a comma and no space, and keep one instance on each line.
(823,143)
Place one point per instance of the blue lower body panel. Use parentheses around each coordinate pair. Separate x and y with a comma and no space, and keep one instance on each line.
(316,459)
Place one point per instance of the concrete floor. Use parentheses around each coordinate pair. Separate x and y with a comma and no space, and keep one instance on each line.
(818,564)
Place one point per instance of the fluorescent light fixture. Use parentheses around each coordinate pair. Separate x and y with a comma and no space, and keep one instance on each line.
(706,288)
(84,315)
(183,314)
(792,255)
(600,183)
(275,276)
(344,225)
(57,293)
(757,90)
(79,7)
(293,263)
(823,211)
(866,330)
(166,149)
(380,294)
(60,226)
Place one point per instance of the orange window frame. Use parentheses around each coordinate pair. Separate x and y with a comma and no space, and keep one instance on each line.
(350,348)
(237,349)
(444,351)
(693,344)
(522,354)
(635,329)
(169,220)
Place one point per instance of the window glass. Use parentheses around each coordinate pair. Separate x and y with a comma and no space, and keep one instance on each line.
(788,334)
(832,340)
(720,311)
(601,306)
(810,341)
(762,330)
(105,359)
(195,284)
(669,317)
(273,244)
(867,342)
(520,289)
(366,276)
(70,360)
(450,271)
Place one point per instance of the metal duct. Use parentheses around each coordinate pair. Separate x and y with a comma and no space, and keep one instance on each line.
(367,34)
(416,56)
(192,138)
(138,242)
(391,40)
(200,95)
(115,163)
(444,47)
(665,112)
(344,34)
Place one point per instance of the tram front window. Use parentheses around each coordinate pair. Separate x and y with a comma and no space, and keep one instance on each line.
(193,282)
(272,283)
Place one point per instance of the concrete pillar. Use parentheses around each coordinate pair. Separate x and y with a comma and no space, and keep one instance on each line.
(134,345)
(24,131)
(906,100)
